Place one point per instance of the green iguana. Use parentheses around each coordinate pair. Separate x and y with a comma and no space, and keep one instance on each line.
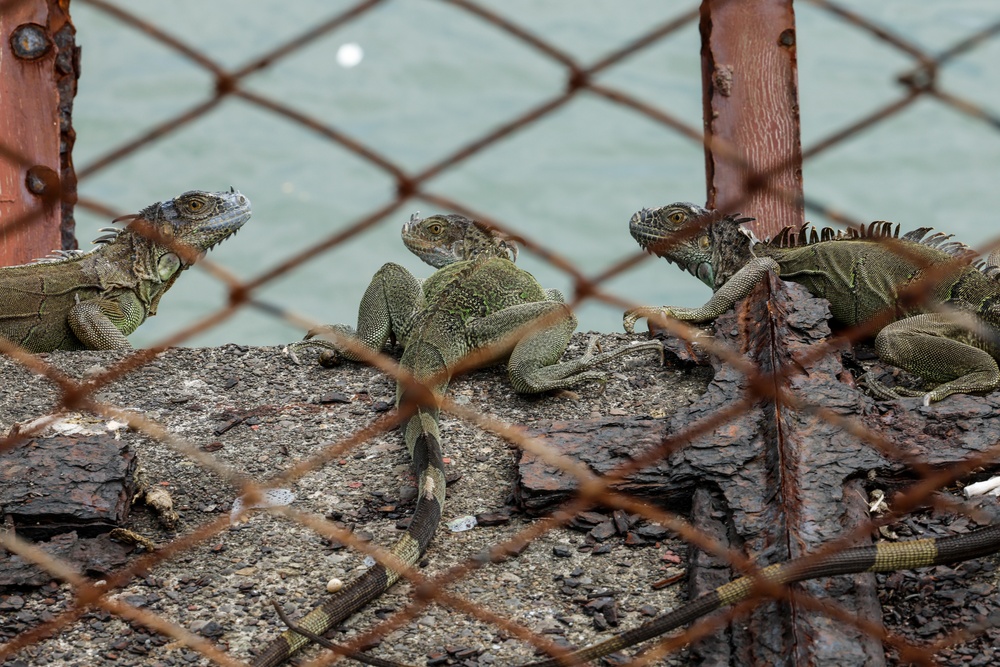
(77,300)
(478,303)
(445,240)
(950,338)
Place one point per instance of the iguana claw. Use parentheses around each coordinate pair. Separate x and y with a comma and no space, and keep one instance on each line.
(876,388)
(332,354)
(290,353)
(879,390)
(633,315)
(329,357)
(593,345)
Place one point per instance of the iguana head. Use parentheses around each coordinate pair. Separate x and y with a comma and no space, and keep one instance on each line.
(180,230)
(198,219)
(440,240)
(679,233)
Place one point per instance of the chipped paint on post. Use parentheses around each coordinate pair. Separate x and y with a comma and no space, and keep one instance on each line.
(753,153)
(39,67)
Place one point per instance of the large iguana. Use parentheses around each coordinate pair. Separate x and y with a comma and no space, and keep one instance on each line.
(950,337)
(478,303)
(77,300)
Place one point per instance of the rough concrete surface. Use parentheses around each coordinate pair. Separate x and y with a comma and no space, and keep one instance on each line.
(259,413)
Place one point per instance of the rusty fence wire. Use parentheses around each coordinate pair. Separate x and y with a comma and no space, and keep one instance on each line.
(920,82)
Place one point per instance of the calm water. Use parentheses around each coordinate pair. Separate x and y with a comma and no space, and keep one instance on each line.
(434,77)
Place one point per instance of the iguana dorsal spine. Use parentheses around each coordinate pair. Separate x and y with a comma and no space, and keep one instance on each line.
(950,338)
(74,300)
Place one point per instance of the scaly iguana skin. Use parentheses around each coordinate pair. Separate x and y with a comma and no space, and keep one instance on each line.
(451,241)
(441,240)
(479,302)
(93,300)
(456,238)
(881,557)
(950,338)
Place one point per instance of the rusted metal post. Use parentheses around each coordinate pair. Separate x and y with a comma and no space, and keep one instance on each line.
(39,66)
(753,149)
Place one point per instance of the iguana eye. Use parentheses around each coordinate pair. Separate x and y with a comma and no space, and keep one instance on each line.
(435,228)
(676,217)
(193,205)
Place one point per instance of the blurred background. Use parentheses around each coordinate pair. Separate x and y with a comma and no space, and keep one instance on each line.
(414,81)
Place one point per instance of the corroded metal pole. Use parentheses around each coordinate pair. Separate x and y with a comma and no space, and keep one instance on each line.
(749,78)
(39,66)
(754,165)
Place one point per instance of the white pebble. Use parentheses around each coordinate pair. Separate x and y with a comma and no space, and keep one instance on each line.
(334,585)
(462,524)
(991,485)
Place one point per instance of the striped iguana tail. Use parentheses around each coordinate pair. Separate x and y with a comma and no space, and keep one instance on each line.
(423,441)
(882,557)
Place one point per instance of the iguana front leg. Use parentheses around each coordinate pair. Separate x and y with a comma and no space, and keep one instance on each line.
(736,288)
(938,348)
(102,323)
(387,309)
(533,365)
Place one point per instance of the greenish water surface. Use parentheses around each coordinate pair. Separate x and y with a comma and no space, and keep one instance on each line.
(434,77)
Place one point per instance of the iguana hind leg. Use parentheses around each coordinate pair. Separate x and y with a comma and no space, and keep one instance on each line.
(387,308)
(534,365)
(938,348)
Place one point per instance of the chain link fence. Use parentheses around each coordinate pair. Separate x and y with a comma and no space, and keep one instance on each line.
(922,80)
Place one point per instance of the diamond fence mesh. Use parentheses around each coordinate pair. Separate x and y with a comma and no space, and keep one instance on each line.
(921,81)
